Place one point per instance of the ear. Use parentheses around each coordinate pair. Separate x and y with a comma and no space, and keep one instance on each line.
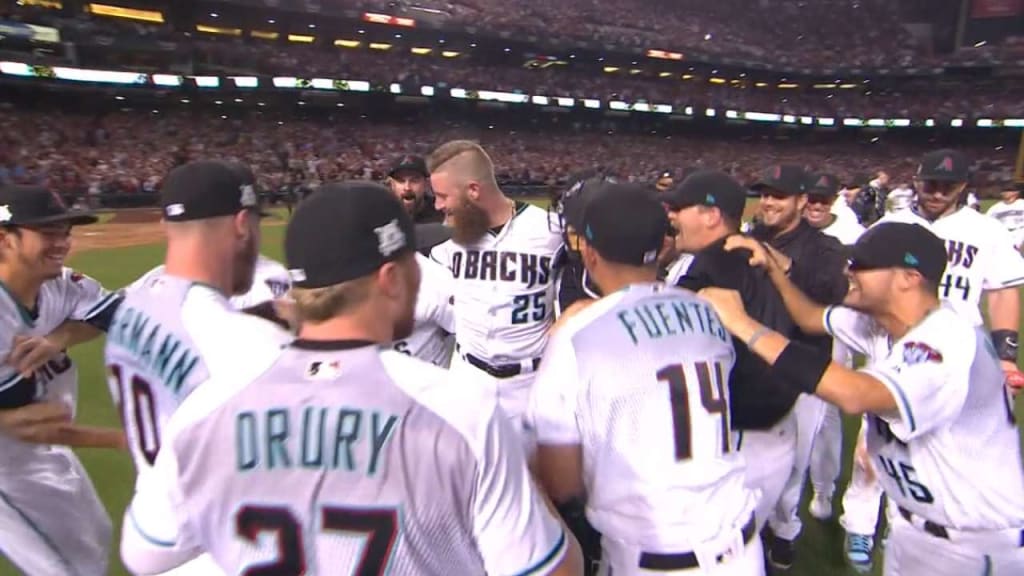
(473,190)
(241,223)
(587,254)
(389,280)
(801,202)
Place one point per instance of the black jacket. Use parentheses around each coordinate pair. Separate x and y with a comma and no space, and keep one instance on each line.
(758,400)
(819,269)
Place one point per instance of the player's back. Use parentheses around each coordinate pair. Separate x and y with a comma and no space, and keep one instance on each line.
(659,460)
(357,457)
(170,335)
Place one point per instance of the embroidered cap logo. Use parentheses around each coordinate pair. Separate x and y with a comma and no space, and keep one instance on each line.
(390,238)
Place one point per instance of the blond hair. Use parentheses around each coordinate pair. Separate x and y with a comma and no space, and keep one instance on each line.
(321,304)
(466,159)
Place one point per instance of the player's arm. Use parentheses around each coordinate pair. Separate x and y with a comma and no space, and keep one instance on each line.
(1002,285)
(515,529)
(807,314)
(29,353)
(154,534)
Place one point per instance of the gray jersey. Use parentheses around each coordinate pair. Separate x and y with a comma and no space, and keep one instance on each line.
(344,459)
(169,336)
(70,296)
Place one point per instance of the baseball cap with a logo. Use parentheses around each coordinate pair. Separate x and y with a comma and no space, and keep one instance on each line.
(900,245)
(207,189)
(788,179)
(37,206)
(625,223)
(345,231)
(414,164)
(823,185)
(709,188)
(945,166)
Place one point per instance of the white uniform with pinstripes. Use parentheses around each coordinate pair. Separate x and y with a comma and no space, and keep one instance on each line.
(51,521)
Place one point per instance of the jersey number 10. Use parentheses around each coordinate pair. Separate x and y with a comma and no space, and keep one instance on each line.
(712,398)
(143,412)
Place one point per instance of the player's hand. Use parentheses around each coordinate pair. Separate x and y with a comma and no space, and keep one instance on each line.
(29,353)
(861,457)
(40,423)
(761,255)
(1014,377)
(728,305)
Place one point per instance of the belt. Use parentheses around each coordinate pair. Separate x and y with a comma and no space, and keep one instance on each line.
(941,532)
(500,370)
(685,560)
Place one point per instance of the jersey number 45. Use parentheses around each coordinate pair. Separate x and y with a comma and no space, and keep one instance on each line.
(711,388)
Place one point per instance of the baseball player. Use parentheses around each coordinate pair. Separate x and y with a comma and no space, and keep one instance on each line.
(342,457)
(50,516)
(647,366)
(827,446)
(177,329)
(1010,212)
(504,257)
(981,259)
(940,416)
(432,338)
(270,282)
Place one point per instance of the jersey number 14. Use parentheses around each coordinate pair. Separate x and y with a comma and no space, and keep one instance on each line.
(711,386)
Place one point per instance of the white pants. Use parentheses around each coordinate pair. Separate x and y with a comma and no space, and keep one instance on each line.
(827,451)
(770,455)
(616,561)
(51,520)
(863,496)
(913,552)
(512,394)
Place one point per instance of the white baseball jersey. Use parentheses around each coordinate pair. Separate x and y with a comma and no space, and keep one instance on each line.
(270,282)
(842,209)
(981,257)
(70,296)
(432,338)
(639,379)
(951,453)
(343,459)
(899,199)
(1011,215)
(845,230)
(169,336)
(505,286)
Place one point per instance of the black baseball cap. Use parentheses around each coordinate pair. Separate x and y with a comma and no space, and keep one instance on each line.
(410,163)
(789,179)
(823,184)
(625,223)
(709,188)
(576,198)
(37,206)
(900,245)
(944,165)
(208,189)
(345,231)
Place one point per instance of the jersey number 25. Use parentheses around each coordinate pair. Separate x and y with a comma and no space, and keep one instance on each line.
(711,386)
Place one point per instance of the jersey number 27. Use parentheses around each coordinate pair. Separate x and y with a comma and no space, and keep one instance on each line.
(711,387)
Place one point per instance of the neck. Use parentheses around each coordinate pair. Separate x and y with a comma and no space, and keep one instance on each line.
(362,324)
(204,266)
(620,277)
(23,287)
(904,315)
(499,208)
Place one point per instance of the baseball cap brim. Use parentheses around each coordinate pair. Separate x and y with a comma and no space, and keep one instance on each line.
(74,217)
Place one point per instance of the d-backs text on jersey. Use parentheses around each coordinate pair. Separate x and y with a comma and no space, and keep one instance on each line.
(506,266)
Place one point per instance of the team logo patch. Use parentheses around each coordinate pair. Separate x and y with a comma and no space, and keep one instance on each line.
(5,213)
(76,277)
(390,238)
(277,287)
(946,165)
(920,353)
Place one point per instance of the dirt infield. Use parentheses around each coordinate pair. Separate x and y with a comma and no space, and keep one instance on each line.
(124,228)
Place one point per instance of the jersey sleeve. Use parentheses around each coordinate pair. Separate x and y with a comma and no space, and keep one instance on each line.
(515,531)
(552,409)
(155,536)
(1006,267)
(89,301)
(850,327)
(436,302)
(929,384)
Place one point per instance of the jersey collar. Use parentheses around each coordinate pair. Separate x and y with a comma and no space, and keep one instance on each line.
(330,345)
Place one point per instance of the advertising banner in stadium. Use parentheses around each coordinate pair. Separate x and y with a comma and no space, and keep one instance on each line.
(996,8)
(31,32)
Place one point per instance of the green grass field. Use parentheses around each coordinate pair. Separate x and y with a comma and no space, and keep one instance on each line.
(820,550)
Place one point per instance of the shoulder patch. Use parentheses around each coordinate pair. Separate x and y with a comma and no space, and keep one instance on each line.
(920,353)
(76,277)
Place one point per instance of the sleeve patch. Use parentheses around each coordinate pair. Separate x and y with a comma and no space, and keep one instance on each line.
(920,353)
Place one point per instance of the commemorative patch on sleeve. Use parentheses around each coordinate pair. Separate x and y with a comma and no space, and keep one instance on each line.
(919,353)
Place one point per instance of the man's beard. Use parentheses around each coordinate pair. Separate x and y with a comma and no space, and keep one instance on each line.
(245,268)
(469,223)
